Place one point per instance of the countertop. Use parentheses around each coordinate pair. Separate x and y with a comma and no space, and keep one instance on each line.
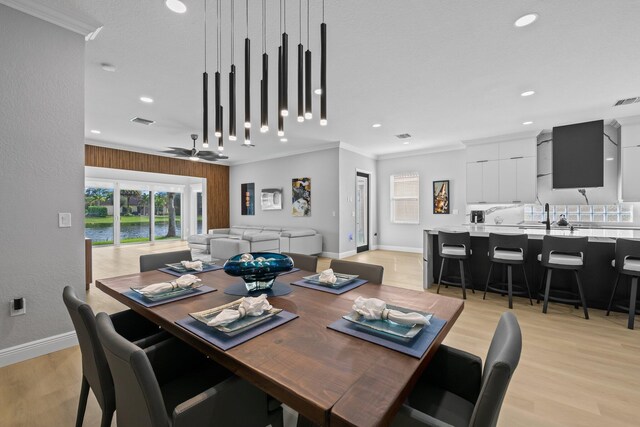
(594,234)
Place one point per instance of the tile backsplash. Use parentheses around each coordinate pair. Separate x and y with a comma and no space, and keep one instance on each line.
(581,213)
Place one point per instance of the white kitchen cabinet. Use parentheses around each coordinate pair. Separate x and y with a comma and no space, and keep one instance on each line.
(631,173)
(518,180)
(480,152)
(483,181)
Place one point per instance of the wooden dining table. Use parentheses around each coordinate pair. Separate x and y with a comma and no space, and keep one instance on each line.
(328,377)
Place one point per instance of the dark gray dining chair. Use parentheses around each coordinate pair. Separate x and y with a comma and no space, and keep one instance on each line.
(155,261)
(303,262)
(95,370)
(455,391)
(370,272)
(170,384)
(627,264)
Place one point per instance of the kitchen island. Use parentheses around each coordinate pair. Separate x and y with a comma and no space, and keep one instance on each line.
(597,275)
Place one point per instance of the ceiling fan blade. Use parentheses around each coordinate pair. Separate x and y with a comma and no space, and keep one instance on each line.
(178,151)
(210,156)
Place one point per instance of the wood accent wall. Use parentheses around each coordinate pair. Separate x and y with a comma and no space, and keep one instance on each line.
(217,175)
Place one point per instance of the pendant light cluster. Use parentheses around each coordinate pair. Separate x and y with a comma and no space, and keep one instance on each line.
(304,76)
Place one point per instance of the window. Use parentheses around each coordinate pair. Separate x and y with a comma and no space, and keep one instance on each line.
(405,199)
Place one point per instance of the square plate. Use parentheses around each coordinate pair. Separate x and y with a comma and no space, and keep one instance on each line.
(387,326)
(341,280)
(169,294)
(237,326)
(178,267)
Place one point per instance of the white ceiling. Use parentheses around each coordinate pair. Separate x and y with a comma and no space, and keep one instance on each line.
(443,71)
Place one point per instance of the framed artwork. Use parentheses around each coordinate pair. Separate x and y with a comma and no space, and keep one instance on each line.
(441,197)
(247,198)
(271,199)
(301,196)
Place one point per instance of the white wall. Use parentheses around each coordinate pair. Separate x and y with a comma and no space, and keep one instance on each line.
(320,166)
(41,174)
(350,163)
(449,165)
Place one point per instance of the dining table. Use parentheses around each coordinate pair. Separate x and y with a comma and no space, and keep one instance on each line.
(329,377)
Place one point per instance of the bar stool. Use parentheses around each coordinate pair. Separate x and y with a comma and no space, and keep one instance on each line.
(627,263)
(455,246)
(563,253)
(508,250)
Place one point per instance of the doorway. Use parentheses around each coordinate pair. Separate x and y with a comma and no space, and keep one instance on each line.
(362,211)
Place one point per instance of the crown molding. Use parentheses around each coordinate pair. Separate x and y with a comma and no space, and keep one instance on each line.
(321,147)
(503,138)
(65,18)
(357,150)
(430,150)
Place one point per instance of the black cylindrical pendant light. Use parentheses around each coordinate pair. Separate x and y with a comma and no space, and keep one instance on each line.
(264,104)
(247,75)
(323,72)
(218,105)
(280,78)
(300,68)
(205,109)
(232,104)
(247,137)
(284,108)
(307,71)
(205,88)
(220,139)
(232,80)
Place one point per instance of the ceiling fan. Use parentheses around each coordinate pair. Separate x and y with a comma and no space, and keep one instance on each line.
(194,154)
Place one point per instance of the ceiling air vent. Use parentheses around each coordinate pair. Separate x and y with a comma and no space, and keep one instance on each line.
(403,136)
(142,121)
(627,101)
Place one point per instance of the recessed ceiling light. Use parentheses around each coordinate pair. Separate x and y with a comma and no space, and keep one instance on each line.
(527,123)
(528,93)
(406,143)
(318,91)
(146,99)
(376,125)
(108,67)
(609,159)
(96,131)
(283,140)
(176,6)
(525,20)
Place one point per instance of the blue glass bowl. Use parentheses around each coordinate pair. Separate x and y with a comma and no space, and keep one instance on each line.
(258,275)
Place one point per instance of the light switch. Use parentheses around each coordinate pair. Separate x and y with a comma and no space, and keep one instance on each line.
(64,219)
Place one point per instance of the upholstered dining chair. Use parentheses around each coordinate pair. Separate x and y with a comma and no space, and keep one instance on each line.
(170,384)
(369,272)
(155,261)
(95,370)
(456,391)
(303,262)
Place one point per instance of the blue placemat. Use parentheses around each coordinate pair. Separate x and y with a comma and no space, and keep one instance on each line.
(148,303)
(336,291)
(277,290)
(211,267)
(415,347)
(293,270)
(224,341)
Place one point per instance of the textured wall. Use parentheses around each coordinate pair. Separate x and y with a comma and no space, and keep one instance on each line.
(41,173)
(217,175)
(320,166)
(449,165)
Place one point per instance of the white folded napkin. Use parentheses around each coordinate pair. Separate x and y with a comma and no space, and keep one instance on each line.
(376,309)
(192,265)
(328,277)
(185,281)
(249,306)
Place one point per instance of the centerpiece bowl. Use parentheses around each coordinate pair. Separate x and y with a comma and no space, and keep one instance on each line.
(258,269)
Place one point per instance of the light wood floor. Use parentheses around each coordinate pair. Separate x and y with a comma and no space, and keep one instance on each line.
(573,372)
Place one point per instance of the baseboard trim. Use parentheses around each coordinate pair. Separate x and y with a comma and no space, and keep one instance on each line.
(329,254)
(400,249)
(29,350)
(347,254)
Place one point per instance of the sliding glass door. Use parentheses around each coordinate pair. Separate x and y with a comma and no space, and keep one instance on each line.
(167,215)
(135,215)
(98,213)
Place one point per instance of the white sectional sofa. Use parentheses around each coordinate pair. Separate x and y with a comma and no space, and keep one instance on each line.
(222,243)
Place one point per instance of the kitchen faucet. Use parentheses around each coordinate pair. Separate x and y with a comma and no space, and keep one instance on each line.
(548,221)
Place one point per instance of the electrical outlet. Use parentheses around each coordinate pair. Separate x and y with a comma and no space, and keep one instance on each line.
(17,307)
(64,220)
